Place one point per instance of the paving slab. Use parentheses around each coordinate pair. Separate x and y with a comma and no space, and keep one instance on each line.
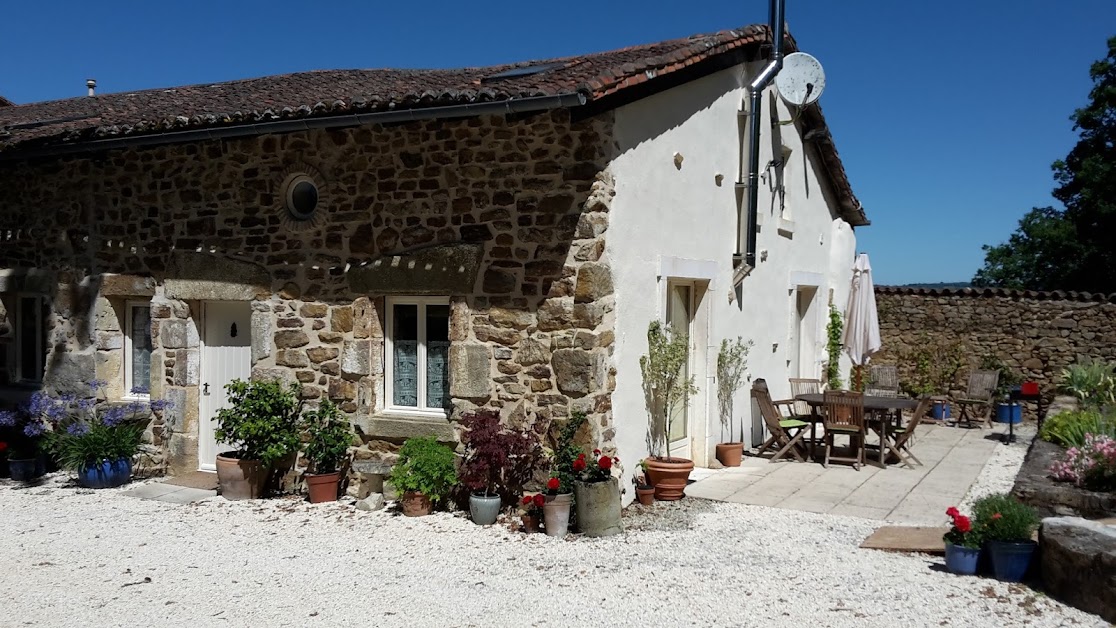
(952,460)
(152,491)
(186,496)
(170,493)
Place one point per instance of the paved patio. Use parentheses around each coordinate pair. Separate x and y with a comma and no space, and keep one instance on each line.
(952,459)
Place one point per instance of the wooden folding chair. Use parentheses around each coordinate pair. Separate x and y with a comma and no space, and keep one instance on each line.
(801,410)
(977,402)
(844,415)
(901,438)
(786,434)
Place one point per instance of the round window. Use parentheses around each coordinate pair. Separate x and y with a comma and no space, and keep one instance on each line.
(301,197)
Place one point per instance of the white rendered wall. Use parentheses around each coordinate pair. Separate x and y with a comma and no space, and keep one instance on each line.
(679,221)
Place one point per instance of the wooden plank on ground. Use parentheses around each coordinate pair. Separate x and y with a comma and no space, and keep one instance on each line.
(925,539)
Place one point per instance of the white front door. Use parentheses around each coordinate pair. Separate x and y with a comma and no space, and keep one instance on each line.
(226,355)
(804,356)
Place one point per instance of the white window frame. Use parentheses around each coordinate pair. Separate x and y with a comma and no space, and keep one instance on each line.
(17,319)
(128,332)
(389,357)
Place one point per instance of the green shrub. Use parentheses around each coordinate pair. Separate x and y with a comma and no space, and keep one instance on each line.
(330,437)
(1009,377)
(425,466)
(1092,381)
(566,451)
(263,422)
(1001,517)
(1069,428)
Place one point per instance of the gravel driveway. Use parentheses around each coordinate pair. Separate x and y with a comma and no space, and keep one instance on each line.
(76,557)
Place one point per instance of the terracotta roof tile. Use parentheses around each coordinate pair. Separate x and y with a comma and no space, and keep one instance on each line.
(335,92)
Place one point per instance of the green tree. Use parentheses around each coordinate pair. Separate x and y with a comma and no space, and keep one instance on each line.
(1070,249)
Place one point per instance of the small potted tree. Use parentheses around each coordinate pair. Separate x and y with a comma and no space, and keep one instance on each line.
(665,390)
(329,437)
(1008,527)
(424,475)
(732,368)
(556,506)
(498,460)
(263,423)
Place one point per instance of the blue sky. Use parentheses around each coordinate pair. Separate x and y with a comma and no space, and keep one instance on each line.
(947,114)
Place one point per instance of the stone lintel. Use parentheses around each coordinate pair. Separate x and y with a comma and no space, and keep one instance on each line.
(28,280)
(449,269)
(203,277)
(391,427)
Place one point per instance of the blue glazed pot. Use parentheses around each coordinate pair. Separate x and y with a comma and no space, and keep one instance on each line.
(1011,560)
(961,560)
(940,410)
(1009,413)
(25,470)
(106,474)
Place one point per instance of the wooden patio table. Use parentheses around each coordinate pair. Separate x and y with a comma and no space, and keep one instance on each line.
(886,405)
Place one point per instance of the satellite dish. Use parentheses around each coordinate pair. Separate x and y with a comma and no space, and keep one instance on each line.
(801,80)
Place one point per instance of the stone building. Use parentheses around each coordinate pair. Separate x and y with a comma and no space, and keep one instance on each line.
(412,244)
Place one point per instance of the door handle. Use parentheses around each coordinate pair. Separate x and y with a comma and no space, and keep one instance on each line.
(205,388)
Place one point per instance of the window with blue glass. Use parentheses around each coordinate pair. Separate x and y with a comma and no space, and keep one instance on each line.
(137,350)
(417,349)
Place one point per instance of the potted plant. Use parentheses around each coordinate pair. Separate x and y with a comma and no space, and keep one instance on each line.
(732,367)
(665,390)
(1008,381)
(936,364)
(497,462)
(597,494)
(1008,527)
(556,507)
(99,446)
(645,492)
(263,423)
(23,430)
(329,438)
(424,475)
(531,512)
(962,544)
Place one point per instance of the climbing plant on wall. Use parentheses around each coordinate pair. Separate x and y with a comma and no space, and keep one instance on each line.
(833,348)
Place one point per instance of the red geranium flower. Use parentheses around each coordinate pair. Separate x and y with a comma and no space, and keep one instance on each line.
(581,456)
(963,523)
(539,499)
(553,484)
(579,465)
(952,511)
(596,452)
(605,463)
(526,500)
(997,516)
(3,446)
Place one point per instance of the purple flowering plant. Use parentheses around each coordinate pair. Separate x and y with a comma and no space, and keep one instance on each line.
(87,430)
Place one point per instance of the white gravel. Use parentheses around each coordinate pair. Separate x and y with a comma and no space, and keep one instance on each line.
(998,474)
(85,558)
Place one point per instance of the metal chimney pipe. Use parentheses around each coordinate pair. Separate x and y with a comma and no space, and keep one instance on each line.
(755,106)
(92,85)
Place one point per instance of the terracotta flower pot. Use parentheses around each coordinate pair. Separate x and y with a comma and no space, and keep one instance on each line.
(240,479)
(669,476)
(646,495)
(530,523)
(416,504)
(556,513)
(322,486)
(729,454)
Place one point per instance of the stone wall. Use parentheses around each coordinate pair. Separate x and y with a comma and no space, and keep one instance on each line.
(506,216)
(1037,334)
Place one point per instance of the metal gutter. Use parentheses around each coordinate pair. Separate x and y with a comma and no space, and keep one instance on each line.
(755,96)
(502,107)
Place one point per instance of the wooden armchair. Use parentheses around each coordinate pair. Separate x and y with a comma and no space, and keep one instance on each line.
(883,381)
(786,434)
(844,415)
(901,438)
(977,402)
